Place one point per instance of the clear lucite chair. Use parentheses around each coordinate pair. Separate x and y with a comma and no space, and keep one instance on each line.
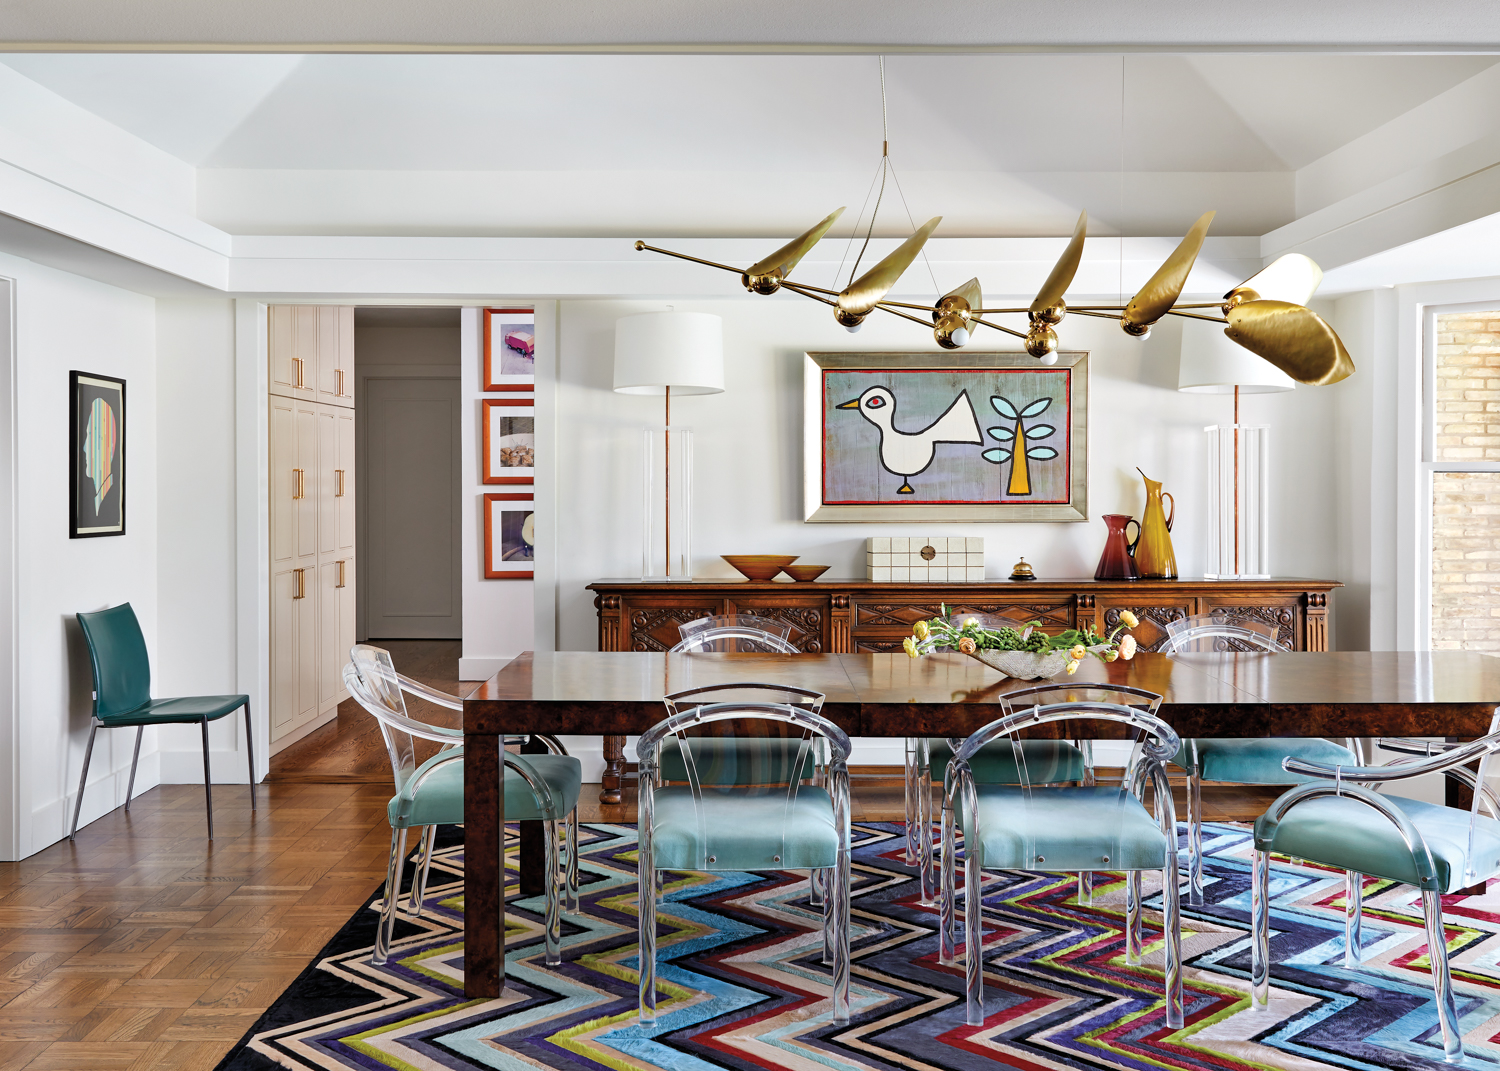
(537,788)
(1047,761)
(1340,820)
(748,800)
(735,633)
(1251,761)
(1068,828)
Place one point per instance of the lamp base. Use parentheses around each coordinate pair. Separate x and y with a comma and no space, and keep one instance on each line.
(1236,576)
(667,579)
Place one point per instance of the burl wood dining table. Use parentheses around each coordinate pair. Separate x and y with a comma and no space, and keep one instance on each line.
(1332,694)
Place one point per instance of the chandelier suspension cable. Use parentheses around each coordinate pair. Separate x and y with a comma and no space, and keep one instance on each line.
(885,164)
(1120,191)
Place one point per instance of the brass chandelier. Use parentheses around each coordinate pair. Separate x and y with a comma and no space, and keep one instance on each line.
(1266,313)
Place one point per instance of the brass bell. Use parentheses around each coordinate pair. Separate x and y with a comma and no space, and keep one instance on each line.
(1022,571)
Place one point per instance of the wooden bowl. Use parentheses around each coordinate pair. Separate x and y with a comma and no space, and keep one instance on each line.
(759,566)
(804,574)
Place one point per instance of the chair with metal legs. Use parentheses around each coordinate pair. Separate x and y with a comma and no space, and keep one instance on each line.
(1251,761)
(1081,828)
(1338,820)
(541,788)
(747,804)
(122,699)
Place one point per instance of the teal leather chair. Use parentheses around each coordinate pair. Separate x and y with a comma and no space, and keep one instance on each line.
(538,788)
(1077,828)
(746,804)
(1251,761)
(122,699)
(1339,820)
(1046,762)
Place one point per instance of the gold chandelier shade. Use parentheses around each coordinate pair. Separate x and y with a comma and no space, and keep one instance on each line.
(1156,298)
(765,276)
(1049,306)
(953,312)
(1293,338)
(857,299)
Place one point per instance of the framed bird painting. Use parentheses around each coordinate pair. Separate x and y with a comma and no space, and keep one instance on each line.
(945,437)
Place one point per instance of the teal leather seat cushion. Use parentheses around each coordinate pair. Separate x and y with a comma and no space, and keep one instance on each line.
(165,711)
(439,800)
(1094,828)
(743,831)
(737,760)
(1258,761)
(1046,761)
(1342,832)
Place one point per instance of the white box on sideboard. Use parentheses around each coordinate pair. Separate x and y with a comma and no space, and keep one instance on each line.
(929,559)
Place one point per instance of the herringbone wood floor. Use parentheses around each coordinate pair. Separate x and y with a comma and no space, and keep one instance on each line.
(142,947)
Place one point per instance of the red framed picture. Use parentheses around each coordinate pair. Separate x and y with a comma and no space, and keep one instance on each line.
(509,536)
(509,350)
(509,454)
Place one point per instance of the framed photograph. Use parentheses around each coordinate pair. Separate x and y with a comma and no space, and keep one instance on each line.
(509,350)
(509,540)
(976,437)
(509,440)
(96,470)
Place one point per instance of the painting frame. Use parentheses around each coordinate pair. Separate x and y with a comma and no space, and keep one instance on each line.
(104,397)
(817,507)
(496,530)
(500,369)
(493,468)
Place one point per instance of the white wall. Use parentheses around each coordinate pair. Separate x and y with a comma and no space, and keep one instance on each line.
(64,322)
(197,630)
(748,455)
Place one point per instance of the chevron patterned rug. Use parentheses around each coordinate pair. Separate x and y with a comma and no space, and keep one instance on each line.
(743,985)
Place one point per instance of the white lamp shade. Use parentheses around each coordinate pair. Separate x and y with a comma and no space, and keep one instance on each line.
(1212,363)
(681,350)
(1292,277)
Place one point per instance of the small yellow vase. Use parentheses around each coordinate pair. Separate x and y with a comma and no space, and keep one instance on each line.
(1153,551)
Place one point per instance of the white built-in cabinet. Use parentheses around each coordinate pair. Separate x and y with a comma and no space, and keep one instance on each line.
(312,514)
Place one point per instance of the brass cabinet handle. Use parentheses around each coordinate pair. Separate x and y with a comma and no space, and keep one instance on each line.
(339,478)
(301,487)
(340,372)
(297,373)
(301,584)
(340,564)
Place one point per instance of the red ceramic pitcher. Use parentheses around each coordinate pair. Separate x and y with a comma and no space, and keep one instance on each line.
(1118,560)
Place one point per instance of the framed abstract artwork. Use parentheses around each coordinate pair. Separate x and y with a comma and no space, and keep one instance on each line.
(96,469)
(509,350)
(945,437)
(509,538)
(509,448)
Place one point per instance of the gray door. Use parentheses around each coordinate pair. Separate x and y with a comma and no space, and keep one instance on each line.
(413,585)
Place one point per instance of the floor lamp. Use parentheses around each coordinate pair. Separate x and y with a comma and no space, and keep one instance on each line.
(662,353)
(1238,454)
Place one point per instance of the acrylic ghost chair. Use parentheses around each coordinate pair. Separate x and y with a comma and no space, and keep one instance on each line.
(122,699)
(1082,828)
(1047,761)
(1251,761)
(1340,820)
(734,634)
(541,788)
(747,806)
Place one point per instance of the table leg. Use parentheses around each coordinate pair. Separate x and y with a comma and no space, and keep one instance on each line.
(484,868)
(614,769)
(533,862)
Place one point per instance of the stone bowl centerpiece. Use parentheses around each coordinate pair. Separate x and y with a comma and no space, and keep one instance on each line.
(1026,653)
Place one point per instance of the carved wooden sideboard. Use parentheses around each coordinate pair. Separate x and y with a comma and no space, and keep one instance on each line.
(841,616)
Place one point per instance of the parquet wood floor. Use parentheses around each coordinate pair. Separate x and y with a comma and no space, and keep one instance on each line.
(142,947)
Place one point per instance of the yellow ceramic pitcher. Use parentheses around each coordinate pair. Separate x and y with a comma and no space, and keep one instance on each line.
(1153,551)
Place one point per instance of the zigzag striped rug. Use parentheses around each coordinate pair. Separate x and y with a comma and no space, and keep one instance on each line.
(743,985)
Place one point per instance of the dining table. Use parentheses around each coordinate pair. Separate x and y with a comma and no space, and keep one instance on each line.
(1450,694)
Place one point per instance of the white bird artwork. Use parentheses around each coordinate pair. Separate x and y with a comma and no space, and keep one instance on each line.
(907,453)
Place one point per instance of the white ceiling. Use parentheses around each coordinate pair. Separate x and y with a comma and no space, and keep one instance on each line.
(1001,113)
(954,24)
